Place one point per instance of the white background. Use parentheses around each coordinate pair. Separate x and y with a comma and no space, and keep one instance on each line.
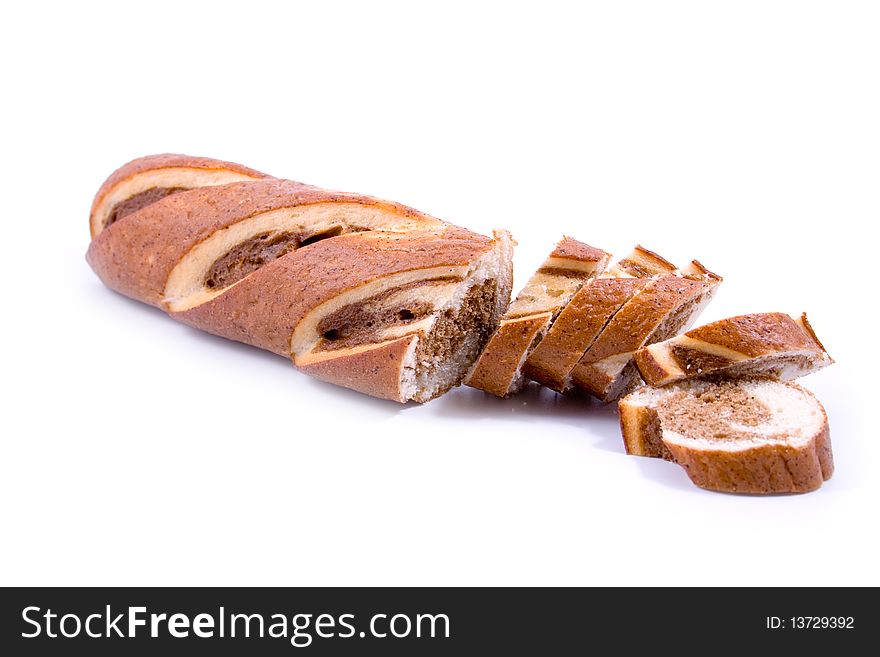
(138,451)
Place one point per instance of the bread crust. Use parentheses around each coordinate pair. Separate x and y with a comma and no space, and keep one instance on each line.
(754,469)
(576,328)
(498,369)
(304,279)
(159,255)
(759,470)
(711,349)
(581,322)
(600,369)
(579,252)
(144,166)
(499,364)
(643,263)
(641,431)
(374,370)
(135,257)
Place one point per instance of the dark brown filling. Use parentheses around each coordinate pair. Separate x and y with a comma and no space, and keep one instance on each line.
(769,368)
(694,361)
(634,268)
(327,234)
(675,320)
(140,201)
(358,323)
(249,256)
(713,411)
(565,271)
(472,319)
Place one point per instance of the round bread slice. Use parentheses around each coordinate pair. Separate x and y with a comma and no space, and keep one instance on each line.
(749,436)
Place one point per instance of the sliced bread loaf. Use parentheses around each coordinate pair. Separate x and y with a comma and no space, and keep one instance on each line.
(746,436)
(571,264)
(660,310)
(760,345)
(587,314)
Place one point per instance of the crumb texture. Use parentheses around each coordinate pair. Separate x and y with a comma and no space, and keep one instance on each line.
(248,256)
(456,339)
(746,436)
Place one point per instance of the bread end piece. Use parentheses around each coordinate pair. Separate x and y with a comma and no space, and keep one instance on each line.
(435,357)
(750,436)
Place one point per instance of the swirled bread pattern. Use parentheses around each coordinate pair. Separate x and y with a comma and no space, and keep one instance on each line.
(357,291)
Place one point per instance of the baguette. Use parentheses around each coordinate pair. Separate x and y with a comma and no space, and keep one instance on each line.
(747,436)
(763,345)
(498,370)
(356,291)
(665,306)
(587,314)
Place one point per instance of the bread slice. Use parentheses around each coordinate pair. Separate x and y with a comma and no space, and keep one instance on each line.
(641,263)
(746,436)
(571,264)
(664,307)
(762,345)
(586,315)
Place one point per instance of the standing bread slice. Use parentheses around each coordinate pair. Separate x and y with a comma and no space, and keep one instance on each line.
(747,436)
(499,368)
(665,306)
(586,315)
(761,345)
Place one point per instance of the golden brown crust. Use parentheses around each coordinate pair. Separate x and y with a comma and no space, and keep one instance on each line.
(169,161)
(788,348)
(637,319)
(498,366)
(662,262)
(569,266)
(643,263)
(572,249)
(338,249)
(696,269)
(376,371)
(576,327)
(136,257)
(760,468)
(641,431)
(652,371)
(163,161)
(754,335)
(599,370)
(303,280)
(805,324)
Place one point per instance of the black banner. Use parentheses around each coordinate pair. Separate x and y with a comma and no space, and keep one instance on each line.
(418,621)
